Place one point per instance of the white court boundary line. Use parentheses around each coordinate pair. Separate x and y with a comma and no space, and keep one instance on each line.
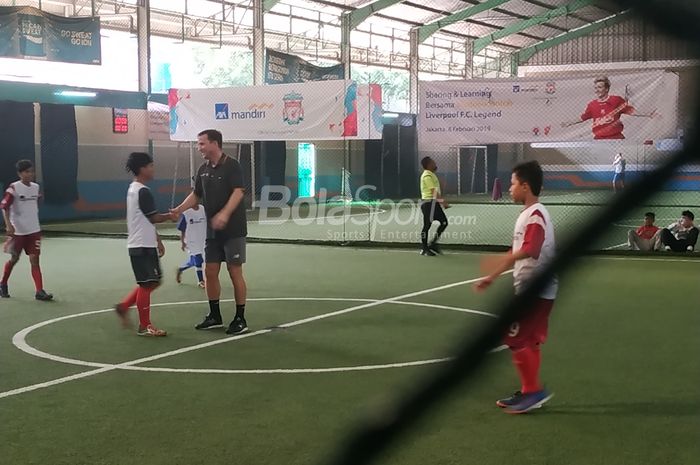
(635,226)
(613,247)
(187,349)
(20,342)
(272,221)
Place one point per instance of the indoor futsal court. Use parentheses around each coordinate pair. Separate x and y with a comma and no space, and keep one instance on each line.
(349,232)
(331,342)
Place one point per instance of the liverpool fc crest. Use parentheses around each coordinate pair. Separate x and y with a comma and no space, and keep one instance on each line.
(293,109)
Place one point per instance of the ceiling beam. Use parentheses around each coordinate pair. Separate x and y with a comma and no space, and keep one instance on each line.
(431,28)
(524,54)
(269,4)
(564,10)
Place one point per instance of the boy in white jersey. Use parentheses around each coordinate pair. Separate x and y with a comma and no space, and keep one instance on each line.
(144,245)
(193,234)
(20,209)
(533,248)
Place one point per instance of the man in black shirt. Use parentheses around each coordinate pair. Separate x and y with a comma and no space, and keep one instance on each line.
(219,187)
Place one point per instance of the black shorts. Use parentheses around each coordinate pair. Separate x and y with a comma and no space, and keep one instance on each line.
(146,265)
(225,249)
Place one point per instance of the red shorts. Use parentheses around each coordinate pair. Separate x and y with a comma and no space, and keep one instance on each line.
(31,244)
(531,330)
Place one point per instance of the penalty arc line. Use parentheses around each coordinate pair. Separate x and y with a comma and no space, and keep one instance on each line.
(184,350)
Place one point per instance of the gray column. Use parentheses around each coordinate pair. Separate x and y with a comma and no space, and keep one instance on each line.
(469,59)
(143,37)
(413,71)
(258,43)
(514,64)
(345,46)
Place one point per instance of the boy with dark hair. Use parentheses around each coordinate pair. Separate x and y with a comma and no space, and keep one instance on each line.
(431,207)
(20,209)
(681,236)
(144,244)
(533,248)
(646,237)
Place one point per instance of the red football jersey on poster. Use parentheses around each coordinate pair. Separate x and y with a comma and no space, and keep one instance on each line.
(606,116)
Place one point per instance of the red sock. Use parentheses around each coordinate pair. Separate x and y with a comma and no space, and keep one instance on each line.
(130,300)
(527,362)
(38,280)
(6,273)
(143,303)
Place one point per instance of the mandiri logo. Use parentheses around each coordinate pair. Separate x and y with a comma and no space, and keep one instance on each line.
(221,110)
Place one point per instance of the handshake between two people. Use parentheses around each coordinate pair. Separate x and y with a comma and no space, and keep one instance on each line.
(218,222)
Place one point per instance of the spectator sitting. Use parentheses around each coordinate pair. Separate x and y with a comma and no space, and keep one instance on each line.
(647,237)
(681,236)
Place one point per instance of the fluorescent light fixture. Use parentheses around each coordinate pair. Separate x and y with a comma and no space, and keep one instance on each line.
(390,115)
(75,93)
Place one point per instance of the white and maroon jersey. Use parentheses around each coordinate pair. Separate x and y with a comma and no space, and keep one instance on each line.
(534,233)
(22,201)
(140,205)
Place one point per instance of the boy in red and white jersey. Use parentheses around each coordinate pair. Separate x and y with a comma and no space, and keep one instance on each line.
(20,209)
(533,249)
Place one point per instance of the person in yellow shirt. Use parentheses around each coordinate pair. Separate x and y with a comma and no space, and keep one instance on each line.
(431,207)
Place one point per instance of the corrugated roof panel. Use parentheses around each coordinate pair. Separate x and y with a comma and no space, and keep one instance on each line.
(448,6)
(523,8)
(592,13)
(473,30)
(410,13)
(353,3)
(518,41)
(567,22)
(542,31)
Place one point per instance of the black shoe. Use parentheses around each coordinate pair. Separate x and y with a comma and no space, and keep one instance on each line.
(43,296)
(427,253)
(435,248)
(4,293)
(210,323)
(237,326)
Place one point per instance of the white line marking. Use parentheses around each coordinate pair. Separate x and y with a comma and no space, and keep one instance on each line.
(646,259)
(22,345)
(616,246)
(17,338)
(635,226)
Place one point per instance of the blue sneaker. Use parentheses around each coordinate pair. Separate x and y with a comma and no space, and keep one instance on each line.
(4,293)
(530,401)
(510,401)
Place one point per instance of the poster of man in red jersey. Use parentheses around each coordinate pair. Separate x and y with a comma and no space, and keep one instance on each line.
(606,111)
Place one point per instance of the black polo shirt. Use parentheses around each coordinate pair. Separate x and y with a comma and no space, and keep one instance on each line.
(214,185)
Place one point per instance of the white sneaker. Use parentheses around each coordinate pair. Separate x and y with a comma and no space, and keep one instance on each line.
(667,248)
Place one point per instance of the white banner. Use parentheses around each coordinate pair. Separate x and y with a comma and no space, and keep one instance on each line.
(158,121)
(637,106)
(327,110)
